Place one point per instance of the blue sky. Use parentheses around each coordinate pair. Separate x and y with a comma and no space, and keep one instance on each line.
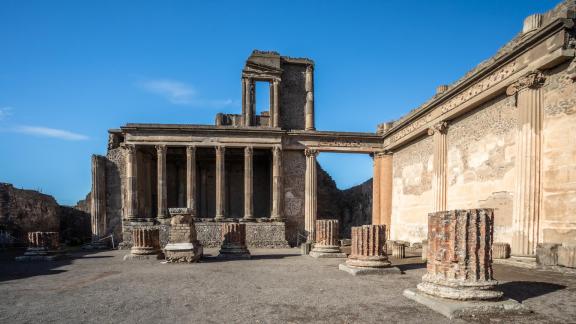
(70,70)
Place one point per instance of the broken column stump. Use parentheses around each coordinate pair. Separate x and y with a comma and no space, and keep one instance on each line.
(183,244)
(500,251)
(459,270)
(368,253)
(145,244)
(42,246)
(326,245)
(399,250)
(234,241)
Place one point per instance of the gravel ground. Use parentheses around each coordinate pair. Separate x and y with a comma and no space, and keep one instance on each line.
(276,286)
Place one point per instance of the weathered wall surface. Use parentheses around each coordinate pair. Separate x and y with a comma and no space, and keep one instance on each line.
(294,167)
(412,190)
(115,190)
(293,96)
(480,164)
(557,218)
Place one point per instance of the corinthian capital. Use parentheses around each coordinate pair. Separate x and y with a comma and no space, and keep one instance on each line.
(310,152)
(161,149)
(531,80)
(130,148)
(440,127)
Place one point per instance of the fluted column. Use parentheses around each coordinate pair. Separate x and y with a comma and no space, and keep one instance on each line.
(249,102)
(98,197)
(220,182)
(310,194)
(309,84)
(191,180)
(376,189)
(440,156)
(527,195)
(277,184)
(248,183)
(162,194)
(131,183)
(275,103)
(386,178)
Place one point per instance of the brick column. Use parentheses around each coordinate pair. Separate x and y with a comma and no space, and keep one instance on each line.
(162,194)
(386,178)
(220,182)
(277,181)
(310,194)
(368,247)
(460,255)
(326,246)
(145,241)
(191,180)
(131,204)
(248,183)
(527,195)
(440,157)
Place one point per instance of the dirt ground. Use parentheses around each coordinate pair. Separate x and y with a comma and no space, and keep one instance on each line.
(276,286)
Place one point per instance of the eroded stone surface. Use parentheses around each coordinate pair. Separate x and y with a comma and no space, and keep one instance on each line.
(234,241)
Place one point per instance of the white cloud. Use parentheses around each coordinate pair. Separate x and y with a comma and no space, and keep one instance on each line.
(180,93)
(5,112)
(50,132)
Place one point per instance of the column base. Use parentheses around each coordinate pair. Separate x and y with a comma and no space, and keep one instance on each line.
(362,271)
(456,309)
(460,290)
(183,252)
(326,251)
(369,262)
(140,257)
(230,251)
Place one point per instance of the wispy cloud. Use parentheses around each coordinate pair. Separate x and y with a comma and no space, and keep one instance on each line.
(180,93)
(5,112)
(50,132)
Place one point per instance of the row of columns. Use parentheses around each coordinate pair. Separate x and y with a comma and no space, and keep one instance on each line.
(249,102)
(132,192)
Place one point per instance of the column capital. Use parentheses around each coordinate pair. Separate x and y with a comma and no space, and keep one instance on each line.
(309,68)
(534,80)
(220,149)
(161,149)
(311,152)
(248,150)
(130,148)
(441,127)
(190,149)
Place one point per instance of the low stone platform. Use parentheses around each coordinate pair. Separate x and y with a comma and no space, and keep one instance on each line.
(362,271)
(320,255)
(140,257)
(522,262)
(457,309)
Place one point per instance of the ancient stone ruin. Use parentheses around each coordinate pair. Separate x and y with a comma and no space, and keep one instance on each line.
(326,245)
(234,242)
(42,246)
(145,244)
(183,245)
(368,254)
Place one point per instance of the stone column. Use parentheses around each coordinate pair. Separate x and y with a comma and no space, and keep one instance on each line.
(459,255)
(386,178)
(398,250)
(191,180)
(220,182)
(500,251)
(376,189)
(249,103)
(162,194)
(309,98)
(248,183)
(277,181)
(310,193)
(527,195)
(44,240)
(145,243)
(131,182)
(368,251)
(276,103)
(234,241)
(440,157)
(326,245)
(98,197)
(244,91)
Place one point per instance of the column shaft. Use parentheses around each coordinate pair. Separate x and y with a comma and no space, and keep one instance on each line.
(439,173)
(248,183)
(220,182)
(277,180)
(386,191)
(276,104)
(98,197)
(376,190)
(162,194)
(309,124)
(527,196)
(191,180)
(310,192)
(249,97)
(131,182)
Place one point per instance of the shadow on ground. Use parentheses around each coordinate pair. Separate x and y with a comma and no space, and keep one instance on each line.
(522,290)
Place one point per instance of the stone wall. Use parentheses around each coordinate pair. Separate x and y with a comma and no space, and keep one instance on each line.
(115,191)
(294,167)
(412,190)
(480,163)
(293,96)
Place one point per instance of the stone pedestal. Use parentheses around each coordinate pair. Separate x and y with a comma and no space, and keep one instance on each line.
(399,250)
(145,244)
(183,245)
(368,254)
(42,246)
(459,270)
(460,255)
(500,251)
(567,256)
(326,245)
(234,242)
